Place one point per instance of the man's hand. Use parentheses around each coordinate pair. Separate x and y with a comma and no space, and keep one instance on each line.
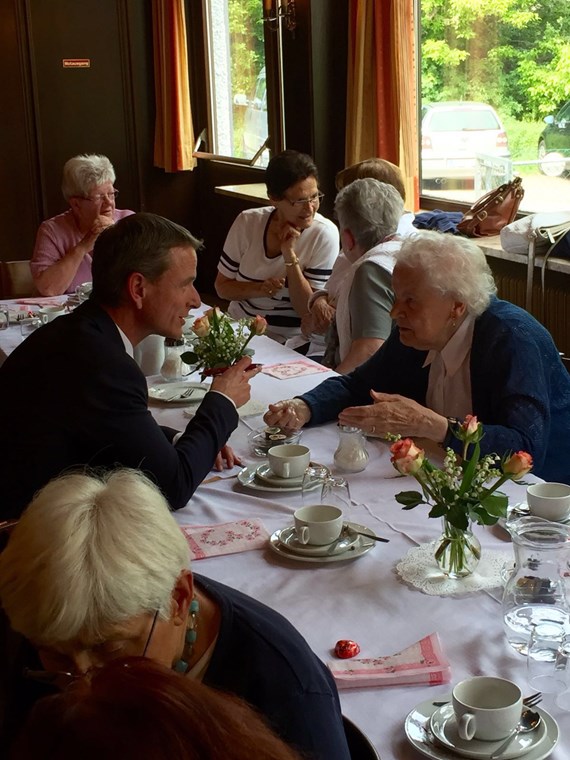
(226,457)
(390,413)
(234,383)
(290,414)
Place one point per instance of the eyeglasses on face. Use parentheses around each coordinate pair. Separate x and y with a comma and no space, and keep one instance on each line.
(64,678)
(99,197)
(314,200)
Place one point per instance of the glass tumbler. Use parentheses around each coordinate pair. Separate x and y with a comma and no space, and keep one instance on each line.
(4,316)
(543,657)
(562,666)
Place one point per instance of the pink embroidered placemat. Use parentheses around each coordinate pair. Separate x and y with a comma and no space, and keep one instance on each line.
(423,662)
(226,538)
(293,369)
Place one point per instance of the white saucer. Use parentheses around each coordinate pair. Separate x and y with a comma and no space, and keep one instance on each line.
(357,549)
(288,538)
(171,392)
(523,512)
(246,478)
(444,727)
(420,735)
(265,473)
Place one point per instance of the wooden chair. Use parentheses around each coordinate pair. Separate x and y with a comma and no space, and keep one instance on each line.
(16,279)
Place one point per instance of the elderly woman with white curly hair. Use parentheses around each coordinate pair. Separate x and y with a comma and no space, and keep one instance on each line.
(62,255)
(456,350)
(97,568)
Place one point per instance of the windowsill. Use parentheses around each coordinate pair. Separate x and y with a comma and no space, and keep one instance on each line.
(256,192)
(491,246)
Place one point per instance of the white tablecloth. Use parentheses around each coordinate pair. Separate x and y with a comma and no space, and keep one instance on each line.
(361,599)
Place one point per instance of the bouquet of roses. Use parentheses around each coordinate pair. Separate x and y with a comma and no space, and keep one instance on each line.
(459,492)
(221,341)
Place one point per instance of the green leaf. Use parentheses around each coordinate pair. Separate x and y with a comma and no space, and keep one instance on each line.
(189,357)
(409,499)
(438,510)
(480,515)
(469,470)
(496,504)
(457,517)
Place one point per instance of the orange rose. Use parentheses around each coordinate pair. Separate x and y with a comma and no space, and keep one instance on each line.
(407,457)
(201,326)
(518,465)
(258,325)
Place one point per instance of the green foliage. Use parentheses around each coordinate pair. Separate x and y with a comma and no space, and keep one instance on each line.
(512,54)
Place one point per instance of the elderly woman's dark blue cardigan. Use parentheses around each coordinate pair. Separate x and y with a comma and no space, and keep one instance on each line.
(520,387)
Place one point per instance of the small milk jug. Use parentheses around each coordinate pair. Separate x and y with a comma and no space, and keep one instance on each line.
(535,591)
(351,454)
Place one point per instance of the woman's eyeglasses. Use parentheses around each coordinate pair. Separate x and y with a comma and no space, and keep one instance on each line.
(63,678)
(99,197)
(314,200)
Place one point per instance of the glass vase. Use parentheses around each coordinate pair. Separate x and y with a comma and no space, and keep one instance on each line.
(458,551)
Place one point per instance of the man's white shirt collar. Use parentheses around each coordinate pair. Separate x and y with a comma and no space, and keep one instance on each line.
(127,343)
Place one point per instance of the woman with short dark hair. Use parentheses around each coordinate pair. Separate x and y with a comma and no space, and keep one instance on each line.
(275,257)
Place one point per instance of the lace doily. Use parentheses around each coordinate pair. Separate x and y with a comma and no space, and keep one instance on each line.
(420,569)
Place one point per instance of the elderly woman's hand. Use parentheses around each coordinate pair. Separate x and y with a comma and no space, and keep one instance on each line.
(390,413)
(272,285)
(288,235)
(323,314)
(290,414)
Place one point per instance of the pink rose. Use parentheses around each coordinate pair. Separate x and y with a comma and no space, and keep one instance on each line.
(470,430)
(201,326)
(518,465)
(407,457)
(258,325)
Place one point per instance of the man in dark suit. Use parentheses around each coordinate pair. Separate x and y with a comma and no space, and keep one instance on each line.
(72,395)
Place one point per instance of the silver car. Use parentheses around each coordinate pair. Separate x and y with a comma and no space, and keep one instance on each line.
(454,133)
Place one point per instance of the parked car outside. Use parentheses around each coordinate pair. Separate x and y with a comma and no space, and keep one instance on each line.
(554,144)
(454,132)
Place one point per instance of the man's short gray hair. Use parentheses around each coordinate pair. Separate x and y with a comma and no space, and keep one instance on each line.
(82,173)
(90,552)
(455,266)
(370,209)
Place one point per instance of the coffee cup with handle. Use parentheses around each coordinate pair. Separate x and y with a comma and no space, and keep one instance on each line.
(289,460)
(486,708)
(551,501)
(49,313)
(318,524)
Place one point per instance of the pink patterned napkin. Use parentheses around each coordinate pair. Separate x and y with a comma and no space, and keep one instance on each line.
(55,301)
(423,662)
(293,369)
(226,538)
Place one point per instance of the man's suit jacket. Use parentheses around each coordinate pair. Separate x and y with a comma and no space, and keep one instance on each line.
(71,395)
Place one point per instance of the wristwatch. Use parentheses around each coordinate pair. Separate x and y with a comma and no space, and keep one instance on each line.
(452,425)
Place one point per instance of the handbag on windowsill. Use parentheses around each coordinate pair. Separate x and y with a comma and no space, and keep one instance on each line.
(543,234)
(492,211)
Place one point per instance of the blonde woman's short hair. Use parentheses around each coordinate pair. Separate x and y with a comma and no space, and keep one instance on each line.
(375,168)
(453,265)
(90,552)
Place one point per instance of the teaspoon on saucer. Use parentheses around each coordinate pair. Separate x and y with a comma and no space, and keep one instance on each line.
(530,721)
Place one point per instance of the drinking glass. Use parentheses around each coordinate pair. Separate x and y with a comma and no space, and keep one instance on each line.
(4,316)
(562,666)
(543,657)
(30,325)
(335,491)
(314,472)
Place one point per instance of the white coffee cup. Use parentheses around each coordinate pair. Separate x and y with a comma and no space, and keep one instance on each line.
(289,460)
(51,312)
(486,708)
(318,524)
(551,501)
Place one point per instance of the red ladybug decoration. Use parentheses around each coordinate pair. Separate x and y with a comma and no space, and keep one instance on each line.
(345,649)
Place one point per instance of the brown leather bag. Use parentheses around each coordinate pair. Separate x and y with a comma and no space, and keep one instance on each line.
(493,211)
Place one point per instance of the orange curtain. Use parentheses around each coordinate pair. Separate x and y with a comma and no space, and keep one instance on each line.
(381,93)
(174,133)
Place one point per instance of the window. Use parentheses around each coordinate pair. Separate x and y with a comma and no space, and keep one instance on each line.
(495,91)
(235,45)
